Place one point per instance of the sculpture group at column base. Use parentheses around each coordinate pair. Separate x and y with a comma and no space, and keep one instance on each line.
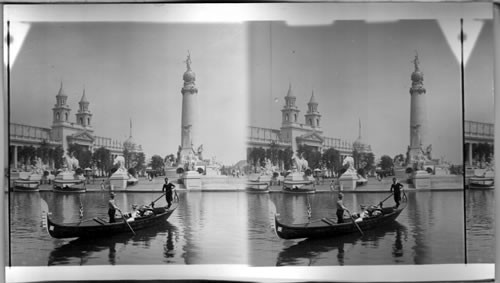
(421,180)
(192,180)
(348,181)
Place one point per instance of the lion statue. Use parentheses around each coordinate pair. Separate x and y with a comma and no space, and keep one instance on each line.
(120,161)
(349,162)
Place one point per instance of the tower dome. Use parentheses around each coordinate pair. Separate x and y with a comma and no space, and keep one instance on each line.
(129,144)
(359,144)
(417,76)
(189,75)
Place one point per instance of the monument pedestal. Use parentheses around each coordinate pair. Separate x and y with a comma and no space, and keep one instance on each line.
(400,173)
(348,181)
(192,180)
(421,180)
(66,175)
(299,182)
(171,173)
(118,181)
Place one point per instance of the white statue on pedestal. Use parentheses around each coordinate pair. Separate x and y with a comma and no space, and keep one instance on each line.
(120,161)
(71,163)
(299,163)
(349,161)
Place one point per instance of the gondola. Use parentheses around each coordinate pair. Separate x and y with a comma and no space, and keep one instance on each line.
(98,227)
(328,227)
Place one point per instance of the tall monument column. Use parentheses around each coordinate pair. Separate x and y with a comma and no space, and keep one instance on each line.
(418,150)
(189,114)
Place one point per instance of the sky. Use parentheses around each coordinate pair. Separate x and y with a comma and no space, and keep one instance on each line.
(355,57)
(360,71)
(133,71)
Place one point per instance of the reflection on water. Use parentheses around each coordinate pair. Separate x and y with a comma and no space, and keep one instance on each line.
(310,250)
(480,211)
(83,249)
(415,238)
(238,228)
(196,233)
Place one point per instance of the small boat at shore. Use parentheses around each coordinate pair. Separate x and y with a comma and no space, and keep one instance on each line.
(307,187)
(328,227)
(98,227)
(69,186)
(482,179)
(257,187)
(26,185)
(481,183)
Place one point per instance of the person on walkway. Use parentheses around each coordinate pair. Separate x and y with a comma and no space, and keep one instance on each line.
(396,188)
(169,190)
(340,208)
(112,208)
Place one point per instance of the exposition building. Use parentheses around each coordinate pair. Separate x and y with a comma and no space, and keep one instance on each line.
(64,132)
(293,133)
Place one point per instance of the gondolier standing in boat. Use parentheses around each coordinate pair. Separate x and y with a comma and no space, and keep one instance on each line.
(340,208)
(396,188)
(112,208)
(169,190)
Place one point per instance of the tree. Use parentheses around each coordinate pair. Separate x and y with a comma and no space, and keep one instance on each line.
(102,159)
(386,162)
(43,151)
(141,161)
(311,154)
(157,162)
(57,156)
(287,154)
(81,153)
(331,159)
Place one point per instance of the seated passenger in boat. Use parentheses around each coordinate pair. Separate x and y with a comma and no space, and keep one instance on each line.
(134,214)
(145,211)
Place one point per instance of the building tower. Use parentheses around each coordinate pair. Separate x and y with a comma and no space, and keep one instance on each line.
(290,111)
(312,116)
(189,113)
(418,115)
(61,126)
(61,110)
(83,116)
(289,120)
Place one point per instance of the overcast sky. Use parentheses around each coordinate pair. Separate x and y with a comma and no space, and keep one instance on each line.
(134,71)
(358,69)
(361,70)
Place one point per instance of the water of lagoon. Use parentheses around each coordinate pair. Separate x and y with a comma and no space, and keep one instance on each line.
(237,228)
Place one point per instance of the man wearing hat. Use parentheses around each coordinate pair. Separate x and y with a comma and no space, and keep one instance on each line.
(112,208)
(340,208)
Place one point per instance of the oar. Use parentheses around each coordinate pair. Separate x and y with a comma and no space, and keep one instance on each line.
(158,198)
(125,220)
(380,203)
(356,224)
